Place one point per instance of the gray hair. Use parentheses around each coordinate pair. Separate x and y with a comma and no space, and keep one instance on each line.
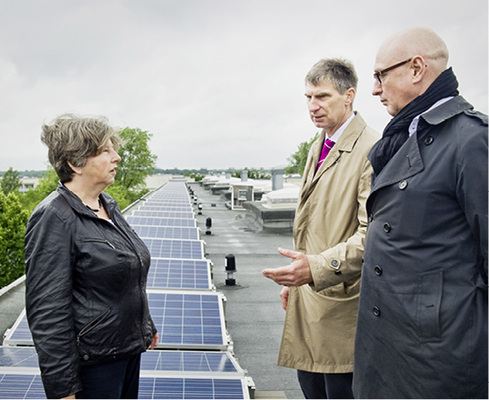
(340,72)
(73,139)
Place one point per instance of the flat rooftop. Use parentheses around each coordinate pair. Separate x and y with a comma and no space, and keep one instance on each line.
(253,311)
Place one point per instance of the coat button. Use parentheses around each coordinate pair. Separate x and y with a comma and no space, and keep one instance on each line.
(403,185)
(335,263)
(86,357)
(387,227)
(428,140)
(376,311)
(370,218)
(378,270)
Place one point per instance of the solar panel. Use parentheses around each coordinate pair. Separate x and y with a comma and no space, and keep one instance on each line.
(29,386)
(163,214)
(175,248)
(161,221)
(192,388)
(18,357)
(189,321)
(20,386)
(19,334)
(183,319)
(218,363)
(179,274)
(167,232)
(163,207)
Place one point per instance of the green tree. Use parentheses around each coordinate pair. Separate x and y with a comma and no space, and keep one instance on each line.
(13,220)
(10,182)
(46,185)
(137,161)
(253,174)
(299,158)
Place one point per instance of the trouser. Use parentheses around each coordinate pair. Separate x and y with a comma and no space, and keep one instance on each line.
(325,386)
(113,380)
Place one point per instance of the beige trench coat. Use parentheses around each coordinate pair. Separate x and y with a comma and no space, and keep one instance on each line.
(329,227)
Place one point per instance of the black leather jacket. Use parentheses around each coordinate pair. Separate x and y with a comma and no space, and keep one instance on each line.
(86,297)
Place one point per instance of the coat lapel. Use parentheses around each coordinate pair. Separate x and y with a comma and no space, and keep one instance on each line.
(406,162)
(345,144)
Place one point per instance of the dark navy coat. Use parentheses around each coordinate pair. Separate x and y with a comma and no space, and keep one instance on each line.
(422,323)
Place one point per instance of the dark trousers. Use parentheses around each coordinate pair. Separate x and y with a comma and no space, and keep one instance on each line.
(325,386)
(113,380)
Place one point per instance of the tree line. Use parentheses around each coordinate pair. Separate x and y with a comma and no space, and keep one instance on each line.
(137,162)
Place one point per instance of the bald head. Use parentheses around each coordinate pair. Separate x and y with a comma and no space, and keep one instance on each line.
(418,41)
(406,65)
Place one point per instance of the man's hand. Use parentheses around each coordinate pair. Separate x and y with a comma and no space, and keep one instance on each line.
(284,295)
(297,273)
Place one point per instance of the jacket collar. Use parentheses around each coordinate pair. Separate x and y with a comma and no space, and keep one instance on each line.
(76,204)
(447,110)
(345,143)
(407,161)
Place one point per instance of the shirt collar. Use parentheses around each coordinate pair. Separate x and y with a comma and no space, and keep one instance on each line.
(414,123)
(341,129)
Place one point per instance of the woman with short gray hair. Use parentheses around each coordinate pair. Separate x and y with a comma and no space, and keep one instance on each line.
(86,271)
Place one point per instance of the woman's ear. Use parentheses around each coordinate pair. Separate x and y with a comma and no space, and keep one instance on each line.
(76,170)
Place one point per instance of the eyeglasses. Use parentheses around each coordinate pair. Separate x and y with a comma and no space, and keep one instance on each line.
(378,74)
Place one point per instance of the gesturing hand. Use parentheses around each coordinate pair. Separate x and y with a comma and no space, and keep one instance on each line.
(297,273)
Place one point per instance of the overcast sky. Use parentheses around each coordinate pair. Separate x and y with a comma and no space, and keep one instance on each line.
(219,83)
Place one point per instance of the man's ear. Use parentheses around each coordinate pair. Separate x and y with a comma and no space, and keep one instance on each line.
(349,96)
(418,68)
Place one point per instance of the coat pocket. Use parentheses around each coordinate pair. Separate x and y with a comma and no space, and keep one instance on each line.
(428,303)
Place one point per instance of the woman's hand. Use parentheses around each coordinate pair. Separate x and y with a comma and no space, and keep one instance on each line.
(155,342)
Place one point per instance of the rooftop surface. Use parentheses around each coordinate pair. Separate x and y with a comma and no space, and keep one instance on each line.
(253,312)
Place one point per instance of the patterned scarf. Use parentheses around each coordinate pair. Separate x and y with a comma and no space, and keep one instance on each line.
(396,131)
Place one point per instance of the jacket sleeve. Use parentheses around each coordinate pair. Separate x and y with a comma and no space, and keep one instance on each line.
(344,261)
(471,190)
(49,293)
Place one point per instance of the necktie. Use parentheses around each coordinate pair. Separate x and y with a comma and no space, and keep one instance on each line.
(328,145)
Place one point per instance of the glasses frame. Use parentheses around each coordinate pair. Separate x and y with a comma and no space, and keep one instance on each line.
(378,74)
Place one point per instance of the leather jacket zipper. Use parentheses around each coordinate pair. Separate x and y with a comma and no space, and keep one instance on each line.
(93,323)
(100,241)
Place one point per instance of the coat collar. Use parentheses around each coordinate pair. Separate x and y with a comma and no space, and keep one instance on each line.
(407,161)
(77,205)
(345,143)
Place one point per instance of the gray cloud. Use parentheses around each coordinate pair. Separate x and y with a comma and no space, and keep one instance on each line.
(218,83)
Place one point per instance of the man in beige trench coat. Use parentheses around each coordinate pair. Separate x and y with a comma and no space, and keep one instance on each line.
(322,283)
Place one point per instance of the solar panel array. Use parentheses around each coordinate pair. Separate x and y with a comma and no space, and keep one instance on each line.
(194,358)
